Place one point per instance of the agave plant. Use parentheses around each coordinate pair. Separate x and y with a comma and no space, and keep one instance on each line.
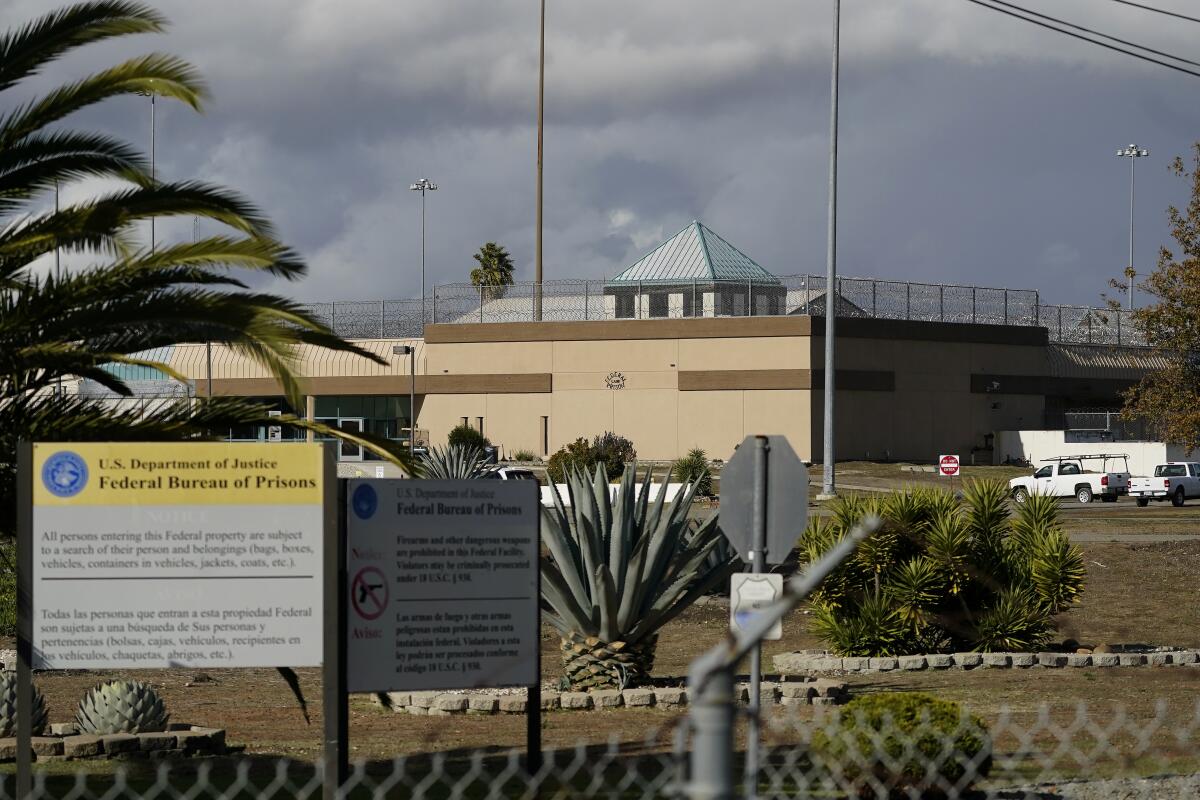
(943,573)
(8,706)
(121,707)
(619,569)
(455,462)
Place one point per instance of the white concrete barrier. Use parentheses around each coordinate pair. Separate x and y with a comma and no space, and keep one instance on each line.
(672,489)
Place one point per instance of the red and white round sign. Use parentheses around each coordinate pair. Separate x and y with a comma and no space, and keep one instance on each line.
(948,465)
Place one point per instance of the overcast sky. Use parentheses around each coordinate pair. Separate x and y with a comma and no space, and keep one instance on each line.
(975,148)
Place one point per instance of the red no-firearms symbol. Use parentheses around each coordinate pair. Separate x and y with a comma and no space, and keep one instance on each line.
(948,465)
(369,593)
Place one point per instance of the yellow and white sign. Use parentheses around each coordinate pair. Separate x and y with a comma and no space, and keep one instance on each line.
(197,554)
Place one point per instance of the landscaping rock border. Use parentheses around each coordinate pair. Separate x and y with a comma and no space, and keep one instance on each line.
(66,744)
(793,664)
(793,691)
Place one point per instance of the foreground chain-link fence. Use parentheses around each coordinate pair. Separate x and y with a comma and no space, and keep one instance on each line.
(1082,752)
(598,300)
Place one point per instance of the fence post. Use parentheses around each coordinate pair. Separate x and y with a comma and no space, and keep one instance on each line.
(1119,327)
(808,295)
(1006,306)
(1059,324)
(382,317)
(941,303)
(908,301)
(1037,308)
(481,303)
(637,307)
(333,317)
(712,741)
(973,290)
(1089,319)
(434,319)
(874,309)
(585,300)
(695,311)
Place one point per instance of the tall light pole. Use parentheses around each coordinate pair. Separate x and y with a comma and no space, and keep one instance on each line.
(1133,153)
(423,185)
(828,486)
(537,257)
(411,352)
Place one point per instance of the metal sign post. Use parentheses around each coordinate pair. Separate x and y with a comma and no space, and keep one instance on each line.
(758,566)
(764,509)
(335,703)
(24,620)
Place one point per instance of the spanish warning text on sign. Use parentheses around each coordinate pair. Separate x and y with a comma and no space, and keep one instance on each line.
(443,588)
(197,554)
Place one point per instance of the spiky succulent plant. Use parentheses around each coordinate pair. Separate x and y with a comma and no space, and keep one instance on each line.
(121,707)
(619,569)
(8,706)
(456,462)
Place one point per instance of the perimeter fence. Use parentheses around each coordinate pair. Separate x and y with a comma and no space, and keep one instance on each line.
(1092,751)
(599,300)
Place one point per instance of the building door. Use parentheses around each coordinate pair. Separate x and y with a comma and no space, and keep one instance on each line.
(348,451)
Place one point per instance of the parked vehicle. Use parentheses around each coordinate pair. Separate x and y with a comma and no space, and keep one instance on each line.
(1176,481)
(512,474)
(1066,476)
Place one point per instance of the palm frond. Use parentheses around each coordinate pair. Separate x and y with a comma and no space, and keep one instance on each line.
(158,74)
(24,51)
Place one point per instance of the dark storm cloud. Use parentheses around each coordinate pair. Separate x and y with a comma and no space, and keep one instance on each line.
(975,149)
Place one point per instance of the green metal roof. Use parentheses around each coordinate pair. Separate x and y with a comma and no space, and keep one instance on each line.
(696,253)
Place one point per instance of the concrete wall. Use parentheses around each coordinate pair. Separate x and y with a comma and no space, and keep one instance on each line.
(932,408)
(1033,446)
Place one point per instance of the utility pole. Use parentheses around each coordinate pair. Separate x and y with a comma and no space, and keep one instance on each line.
(1133,153)
(537,258)
(828,485)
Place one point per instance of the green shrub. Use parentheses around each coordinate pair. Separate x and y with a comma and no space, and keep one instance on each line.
(694,467)
(578,454)
(943,575)
(466,436)
(903,743)
(524,455)
(609,449)
(614,451)
(8,590)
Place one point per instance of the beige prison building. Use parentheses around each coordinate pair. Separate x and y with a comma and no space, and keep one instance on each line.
(696,345)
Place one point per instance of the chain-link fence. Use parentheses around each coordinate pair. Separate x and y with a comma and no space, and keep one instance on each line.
(597,300)
(1030,752)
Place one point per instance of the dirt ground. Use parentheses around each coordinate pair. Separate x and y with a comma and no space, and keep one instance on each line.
(1135,594)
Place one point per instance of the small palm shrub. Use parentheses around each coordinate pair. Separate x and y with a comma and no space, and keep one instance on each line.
(619,569)
(466,436)
(614,451)
(906,744)
(942,575)
(456,462)
(694,467)
(577,455)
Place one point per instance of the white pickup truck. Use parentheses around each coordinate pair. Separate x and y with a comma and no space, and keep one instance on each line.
(1066,477)
(1176,481)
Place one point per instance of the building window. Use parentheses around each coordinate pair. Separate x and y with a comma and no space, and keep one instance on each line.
(385,416)
(624,305)
(462,421)
(689,302)
(479,426)
(545,436)
(726,309)
(659,304)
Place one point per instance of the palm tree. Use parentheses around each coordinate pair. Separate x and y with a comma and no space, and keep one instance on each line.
(495,269)
(129,297)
